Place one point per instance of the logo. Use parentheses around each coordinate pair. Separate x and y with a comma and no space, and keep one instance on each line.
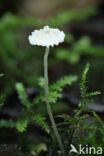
(85,149)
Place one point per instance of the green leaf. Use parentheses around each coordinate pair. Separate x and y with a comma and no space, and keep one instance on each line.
(41,82)
(55,90)
(2,99)
(41,121)
(67,80)
(84,94)
(67,118)
(7,123)
(93,93)
(83,81)
(22,124)
(38,147)
(1,75)
(22,94)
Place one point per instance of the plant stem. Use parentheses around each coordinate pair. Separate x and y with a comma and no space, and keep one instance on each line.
(47,100)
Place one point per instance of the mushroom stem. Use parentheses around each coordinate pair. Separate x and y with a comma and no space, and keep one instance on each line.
(47,100)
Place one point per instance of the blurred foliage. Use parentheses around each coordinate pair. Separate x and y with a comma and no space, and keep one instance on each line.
(18,59)
(71,15)
(2,96)
(16,63)
(37,148)
(7,123)
(81,47)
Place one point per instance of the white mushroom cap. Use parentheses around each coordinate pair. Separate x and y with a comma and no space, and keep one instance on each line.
(46,37)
